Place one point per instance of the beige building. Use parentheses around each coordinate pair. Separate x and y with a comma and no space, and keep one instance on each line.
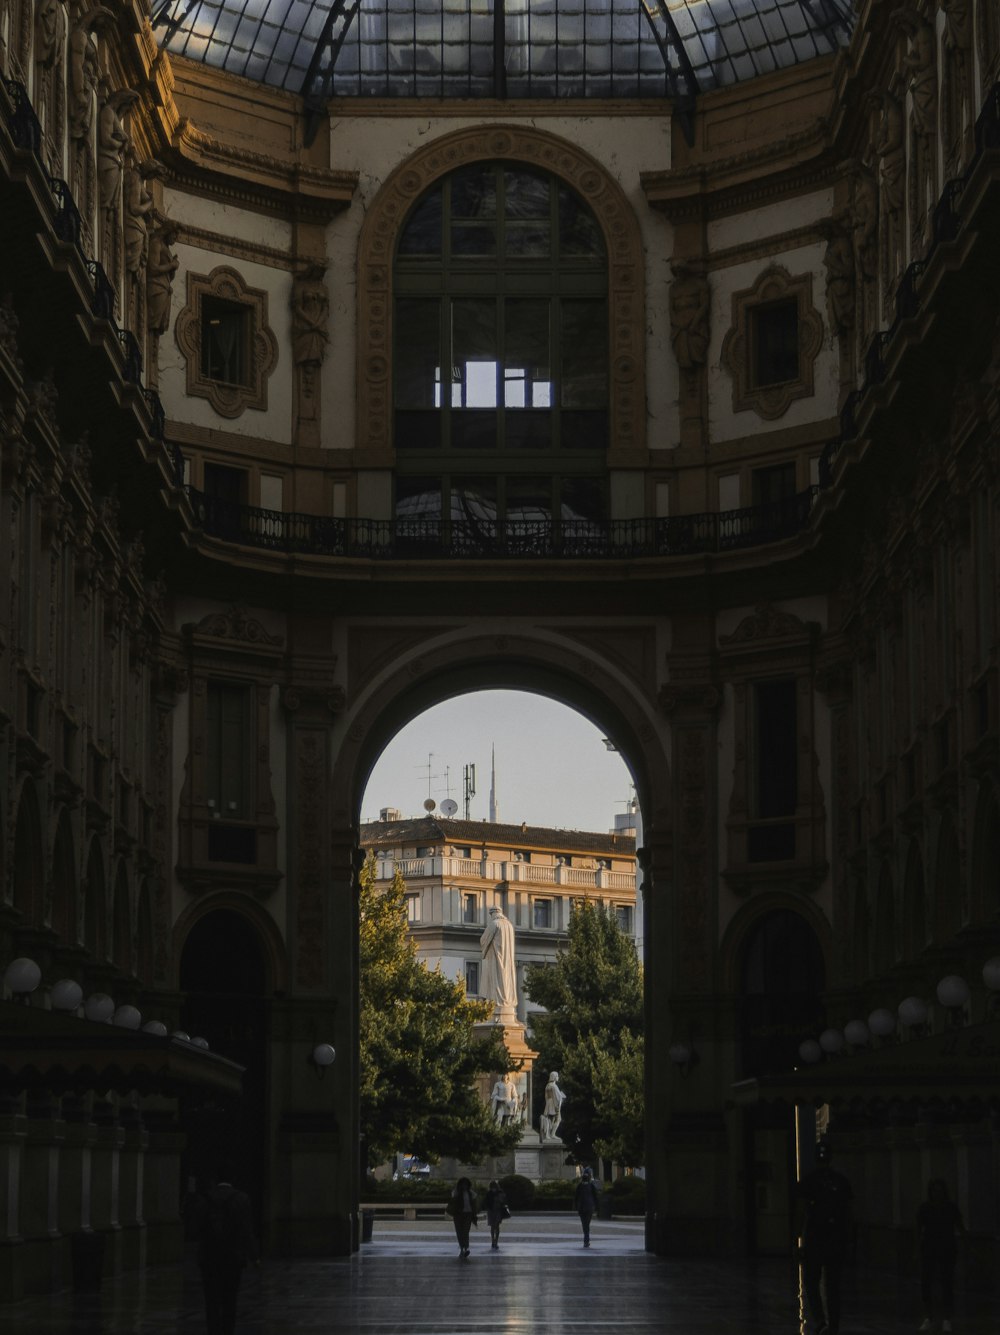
(645,356)
(457,870)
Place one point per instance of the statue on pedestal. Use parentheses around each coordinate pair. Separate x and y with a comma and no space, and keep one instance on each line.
(504,1099)
(499,978)
(551,1118)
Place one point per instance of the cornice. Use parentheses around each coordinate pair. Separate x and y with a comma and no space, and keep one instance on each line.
(793,165)
(206,164)
(202,238)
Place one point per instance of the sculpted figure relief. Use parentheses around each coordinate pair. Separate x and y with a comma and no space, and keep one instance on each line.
(838,260)
(499,978)
(161,265)
(310,310)
(112,141)
(83,76)
(504,1099)
(890,152)
(50,32)
(920,65)
(689,317)
(138,205)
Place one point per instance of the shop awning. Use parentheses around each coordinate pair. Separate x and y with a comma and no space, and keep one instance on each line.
(961,1065)
(42,1049)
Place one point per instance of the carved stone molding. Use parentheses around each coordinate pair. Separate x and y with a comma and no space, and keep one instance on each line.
(234,624)
(767,623)
(228,400)
(603,195)
(772,400)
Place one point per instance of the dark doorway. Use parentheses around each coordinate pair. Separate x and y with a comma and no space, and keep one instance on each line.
(223,978)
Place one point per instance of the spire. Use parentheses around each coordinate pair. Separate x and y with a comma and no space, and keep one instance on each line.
(493,787)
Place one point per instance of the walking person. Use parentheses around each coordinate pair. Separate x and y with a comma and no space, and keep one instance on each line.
(826,1197)
(585,1200)
(496,1211)
(462,1208)
(226,1244)
(939,1226)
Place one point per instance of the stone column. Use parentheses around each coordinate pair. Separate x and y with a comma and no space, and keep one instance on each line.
(40,1257)
(131,1171)
(75,1174)
(105,1182)
(13,1130)
(317,1174)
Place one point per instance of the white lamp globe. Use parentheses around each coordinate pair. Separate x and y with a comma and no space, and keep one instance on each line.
(810,1050)
(179,1033)
(856,1032)
(991,973)
(679,1054)
(831,1040)
(912,1010)
(200,1042)
(156,1027)
(22,976)
(324,1055)
(953,991)
(882,1022)
(99,1007)
(127,1017)
(66,995)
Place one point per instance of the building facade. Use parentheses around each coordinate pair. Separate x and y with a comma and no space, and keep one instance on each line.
(457,870)
(714,462)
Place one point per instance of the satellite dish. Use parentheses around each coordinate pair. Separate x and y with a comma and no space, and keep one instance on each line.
(429,804)
(449,806)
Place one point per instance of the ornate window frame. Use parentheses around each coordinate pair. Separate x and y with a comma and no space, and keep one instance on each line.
(626,272)
(772,401)
(227,284)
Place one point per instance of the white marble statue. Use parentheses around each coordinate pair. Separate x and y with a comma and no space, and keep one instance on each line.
(551,1118)
(499,978)
(504,1099)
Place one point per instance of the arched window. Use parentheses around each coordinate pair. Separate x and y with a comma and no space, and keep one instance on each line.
(500,357)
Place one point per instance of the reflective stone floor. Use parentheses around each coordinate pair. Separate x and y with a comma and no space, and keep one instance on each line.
(408,1281)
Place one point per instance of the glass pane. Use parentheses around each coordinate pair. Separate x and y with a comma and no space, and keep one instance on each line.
(583,498)
(583,429)
(527,359)
(417,429)
(418,498)
(529,498)
(776,342)
(531,430)
(418,352)
(474,193)
(526,195)
(473,429)
(584,349)
(422,234)
(579,231)
(474,499)
(473,238)
(474,354)
(531,239)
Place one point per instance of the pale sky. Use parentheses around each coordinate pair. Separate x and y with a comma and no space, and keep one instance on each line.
(552,766)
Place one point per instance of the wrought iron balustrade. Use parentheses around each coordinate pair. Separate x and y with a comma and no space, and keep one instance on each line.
(432,539)
(102,303)
(67,223)
(25,127)
(133,356)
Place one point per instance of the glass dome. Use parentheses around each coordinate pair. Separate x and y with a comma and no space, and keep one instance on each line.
(501,48)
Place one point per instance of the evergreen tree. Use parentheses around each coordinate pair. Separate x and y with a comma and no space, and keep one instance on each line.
(419,1054)
(591,1033)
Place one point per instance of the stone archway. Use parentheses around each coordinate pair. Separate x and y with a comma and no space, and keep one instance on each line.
(422,668)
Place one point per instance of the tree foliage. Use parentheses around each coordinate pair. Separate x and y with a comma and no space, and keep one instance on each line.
(419,1053)
(591,1033)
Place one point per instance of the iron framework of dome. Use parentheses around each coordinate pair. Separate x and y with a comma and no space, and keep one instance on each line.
(323,49)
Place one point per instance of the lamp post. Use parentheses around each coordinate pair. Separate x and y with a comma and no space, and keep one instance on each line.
(21,977)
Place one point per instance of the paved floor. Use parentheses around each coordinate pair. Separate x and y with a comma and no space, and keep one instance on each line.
(408,1281)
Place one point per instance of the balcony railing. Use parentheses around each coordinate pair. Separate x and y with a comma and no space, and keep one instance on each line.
(496,870)
(519,539)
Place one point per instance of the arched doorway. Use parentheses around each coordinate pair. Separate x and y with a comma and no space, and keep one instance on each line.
(409,680)
(226,988)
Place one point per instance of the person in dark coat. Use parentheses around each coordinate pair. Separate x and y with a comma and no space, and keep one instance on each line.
(826,1197)
(585,1200)
(226,1245)
(463,1211)
(939,1226)
(496,1211)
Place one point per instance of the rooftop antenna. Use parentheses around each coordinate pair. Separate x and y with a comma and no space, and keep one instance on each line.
(493,787)
(468,786)
(429,804)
